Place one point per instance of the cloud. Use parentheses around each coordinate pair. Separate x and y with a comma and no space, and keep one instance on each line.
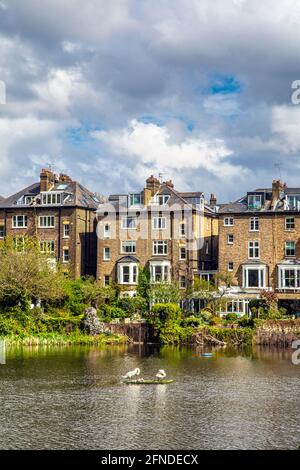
(152,146)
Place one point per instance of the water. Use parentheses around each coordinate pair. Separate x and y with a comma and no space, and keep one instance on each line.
(72,398)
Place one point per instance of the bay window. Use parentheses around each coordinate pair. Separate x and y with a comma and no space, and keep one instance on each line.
(254,276)
(289,277)
(160,271)
(127,273)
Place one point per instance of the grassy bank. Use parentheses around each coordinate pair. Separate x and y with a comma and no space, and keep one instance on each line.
(52,339)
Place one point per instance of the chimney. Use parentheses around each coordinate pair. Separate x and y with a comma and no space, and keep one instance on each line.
(152,186)
(64,178)
(169,183)
(277,188)
(47,179)
(213,200)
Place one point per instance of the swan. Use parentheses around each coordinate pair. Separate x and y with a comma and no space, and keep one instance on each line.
(161,374)
(131,373)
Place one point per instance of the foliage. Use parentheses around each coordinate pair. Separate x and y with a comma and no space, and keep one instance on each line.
(161,313)
(192,321)
(164,292)
(26,274)
(109,312)
(173,333)
(143,287)
(133,305)
(232,336)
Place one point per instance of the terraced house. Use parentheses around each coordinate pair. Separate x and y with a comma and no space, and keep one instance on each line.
(173,234)
(259,244)
(61,214)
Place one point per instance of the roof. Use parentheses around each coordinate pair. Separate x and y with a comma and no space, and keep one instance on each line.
(128,259)
(76,195)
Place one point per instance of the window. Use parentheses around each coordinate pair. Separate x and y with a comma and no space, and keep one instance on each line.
(182,231)
(207,247)
(290,249)
(128,273)
(254,224)
(159,223)
(46,221)
(254,277)
(230,239)
(129,222)
(162,199)
(128,246)
(28,200)
(107,232)
(160,247)
(2,231)
(66,230)
(106,253)
(66,256)
(19,243)
(135,199)
(254,201)
(293,202)
(47,246)
(106,280)
(160,272)
(289,278)
(182,253)
(253,250)
(182,282)
(228,221)
(51,198)
(230,266)
(289,223)
(19,221)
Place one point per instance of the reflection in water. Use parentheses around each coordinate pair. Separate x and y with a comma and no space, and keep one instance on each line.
(73,398)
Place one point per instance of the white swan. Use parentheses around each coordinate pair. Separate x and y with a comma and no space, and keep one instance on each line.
(161,374)
(131,373)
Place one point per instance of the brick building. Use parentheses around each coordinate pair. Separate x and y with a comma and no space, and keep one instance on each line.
(171,233)
(61,214)
(259,243)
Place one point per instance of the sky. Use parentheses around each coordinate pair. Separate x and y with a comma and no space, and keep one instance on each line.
(113,91)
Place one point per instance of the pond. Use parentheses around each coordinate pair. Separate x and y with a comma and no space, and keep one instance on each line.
(72,398)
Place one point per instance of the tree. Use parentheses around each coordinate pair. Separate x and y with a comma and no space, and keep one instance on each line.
(214,293)
(26,274)
(164,292)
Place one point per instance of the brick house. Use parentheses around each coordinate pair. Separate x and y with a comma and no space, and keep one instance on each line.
(171,233)
(61,214)
(259,245)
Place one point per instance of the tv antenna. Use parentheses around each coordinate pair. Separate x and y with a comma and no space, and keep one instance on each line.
(278,166)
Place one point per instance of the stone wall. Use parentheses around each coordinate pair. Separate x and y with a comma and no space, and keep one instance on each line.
(136,332)
(278,333)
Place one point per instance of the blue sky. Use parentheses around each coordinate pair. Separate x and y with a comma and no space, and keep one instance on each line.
(114,91)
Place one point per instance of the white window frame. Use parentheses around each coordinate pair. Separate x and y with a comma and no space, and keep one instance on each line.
(105,256)
(183,282)
(286,249)
(51,198)
(228,222)
(228,239)
(64,230)
(47,246)
(229,267)
(125,219)
(47,218)
(66,255)
(15,221)
(282,279)
(262,276)
(131,197)
(254,222)
(253,245)
(184,257)
(157,244)
(286,223)
(165,267)
(258,198)
(133,273)
(105,278)
(182,229)
(129,243)
(106,231)
(159,223)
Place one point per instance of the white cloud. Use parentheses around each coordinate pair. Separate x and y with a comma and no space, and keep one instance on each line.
(151,145)
(286,124)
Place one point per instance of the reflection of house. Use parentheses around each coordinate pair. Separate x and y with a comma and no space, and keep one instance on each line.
(61,214)
(172,234)
(259,244)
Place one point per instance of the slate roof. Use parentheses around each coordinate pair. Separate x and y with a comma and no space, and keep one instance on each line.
(78,196)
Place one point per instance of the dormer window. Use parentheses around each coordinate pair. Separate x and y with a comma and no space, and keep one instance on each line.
(254,201)
(135,199)
(51,198)
(162,199)
(293,202)
(28,200)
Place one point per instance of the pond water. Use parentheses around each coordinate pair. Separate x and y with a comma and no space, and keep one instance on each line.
(72,398)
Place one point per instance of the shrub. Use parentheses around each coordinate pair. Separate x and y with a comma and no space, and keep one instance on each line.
(173,333)
(132,305)
(160,313)
(192,321)
(112,312)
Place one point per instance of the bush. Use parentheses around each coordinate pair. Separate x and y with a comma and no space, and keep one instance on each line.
(173,333)
(109,312)
(161,313)
(231,317)
(133,305)
(192,321)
